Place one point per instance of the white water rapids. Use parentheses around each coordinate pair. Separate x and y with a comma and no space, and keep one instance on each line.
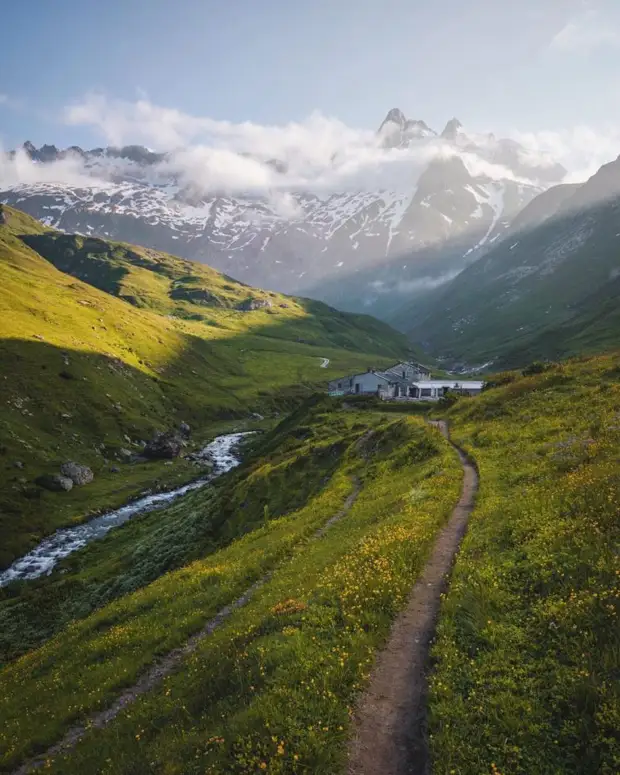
(42,559)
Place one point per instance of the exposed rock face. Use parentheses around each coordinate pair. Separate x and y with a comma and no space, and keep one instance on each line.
(164,446)
(185,430)
(451,129)
(77,473)
(55,483)
(252,304)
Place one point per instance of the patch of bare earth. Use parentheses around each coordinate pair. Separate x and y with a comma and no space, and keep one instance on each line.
(390,722)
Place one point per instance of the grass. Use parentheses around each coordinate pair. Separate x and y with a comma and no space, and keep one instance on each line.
(286,474)
(528,651)
(281,675)
(86,371)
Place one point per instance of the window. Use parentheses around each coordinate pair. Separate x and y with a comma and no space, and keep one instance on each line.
(425,392)
(357,387)
(339,385)
(404,374)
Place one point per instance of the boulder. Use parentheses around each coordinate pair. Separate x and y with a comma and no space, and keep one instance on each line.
(164,446)
(55,483)
(251,303)
(185,430)
(79,474)
(126,454)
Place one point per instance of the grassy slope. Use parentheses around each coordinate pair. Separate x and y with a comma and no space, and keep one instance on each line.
(81,368)
(276,683)
(529,642)
(499,309)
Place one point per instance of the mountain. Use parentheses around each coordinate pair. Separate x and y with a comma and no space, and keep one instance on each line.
(548,289)
(102,344)
(436,201)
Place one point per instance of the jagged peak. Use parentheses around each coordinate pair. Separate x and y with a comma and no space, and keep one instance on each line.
(394,116)
(452,129)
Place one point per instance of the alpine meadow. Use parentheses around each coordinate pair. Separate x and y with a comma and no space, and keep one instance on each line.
(310,421)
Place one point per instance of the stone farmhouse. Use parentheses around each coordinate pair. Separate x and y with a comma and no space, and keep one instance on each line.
(406,381)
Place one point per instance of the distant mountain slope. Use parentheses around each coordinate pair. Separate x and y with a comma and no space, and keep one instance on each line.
(85,374)
(549,289)
(361,245)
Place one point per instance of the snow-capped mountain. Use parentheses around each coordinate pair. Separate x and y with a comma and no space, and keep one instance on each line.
(357,248)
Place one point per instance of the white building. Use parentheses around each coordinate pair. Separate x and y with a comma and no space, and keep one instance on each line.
(406,380)
(433,390)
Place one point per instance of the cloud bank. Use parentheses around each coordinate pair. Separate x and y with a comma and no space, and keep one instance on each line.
(321,154)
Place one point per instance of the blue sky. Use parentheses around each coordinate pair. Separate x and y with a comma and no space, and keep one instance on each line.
(533,66)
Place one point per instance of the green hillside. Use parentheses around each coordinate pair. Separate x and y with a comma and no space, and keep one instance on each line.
(547,290)
(335,513)
(528,650)
(337,549)
(94,365)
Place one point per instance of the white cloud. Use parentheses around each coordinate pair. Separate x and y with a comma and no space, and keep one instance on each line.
(410,287)
(582,150)
(585,32)
(20,169)
(320,155)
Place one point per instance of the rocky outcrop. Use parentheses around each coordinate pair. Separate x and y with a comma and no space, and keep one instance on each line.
(185,430)
(250,304)
(164,446)
(79,474)
(55,483)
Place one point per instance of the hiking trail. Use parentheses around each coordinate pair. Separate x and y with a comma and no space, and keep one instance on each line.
(389,730)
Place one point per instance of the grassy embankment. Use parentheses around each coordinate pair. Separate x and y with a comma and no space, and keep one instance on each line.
(142,341)
(528,654)
(272,689)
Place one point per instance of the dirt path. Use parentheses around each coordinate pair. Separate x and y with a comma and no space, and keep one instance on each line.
(390,723)
(171,661)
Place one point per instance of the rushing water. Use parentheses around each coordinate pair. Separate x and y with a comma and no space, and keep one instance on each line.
(41,560)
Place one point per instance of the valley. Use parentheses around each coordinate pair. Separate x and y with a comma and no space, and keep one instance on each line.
(310,388)
(259,622)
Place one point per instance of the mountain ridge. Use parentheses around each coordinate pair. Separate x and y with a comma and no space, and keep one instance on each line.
(546,290)
(335,244)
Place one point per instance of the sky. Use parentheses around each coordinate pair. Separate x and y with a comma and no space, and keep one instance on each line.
(81,72)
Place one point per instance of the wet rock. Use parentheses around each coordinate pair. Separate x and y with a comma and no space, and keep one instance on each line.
(125,454)
(79,474)
(55,483)
(164,446)
(185,430)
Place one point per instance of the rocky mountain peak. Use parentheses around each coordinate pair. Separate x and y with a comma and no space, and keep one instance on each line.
(394,116)
(397,131)
(452,129)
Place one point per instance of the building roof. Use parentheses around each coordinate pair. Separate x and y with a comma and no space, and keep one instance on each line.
(451,383)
